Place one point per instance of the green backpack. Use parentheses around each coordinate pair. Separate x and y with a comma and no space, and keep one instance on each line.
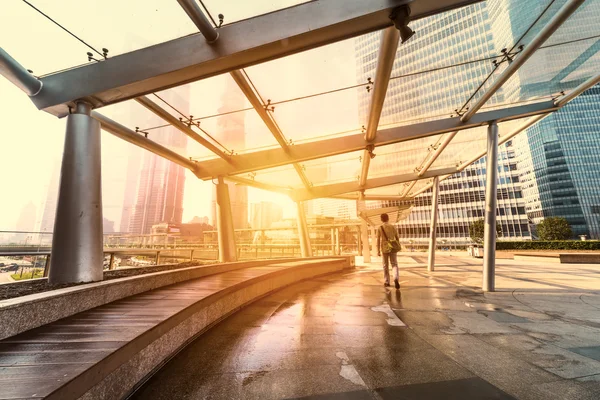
(390,246)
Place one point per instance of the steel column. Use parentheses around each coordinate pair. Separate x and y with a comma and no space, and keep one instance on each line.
(225,232)
(19,76)
(592,81)
(364,233)
(303,235)
(433,225)
(491,182)
(337,241)
(77,241)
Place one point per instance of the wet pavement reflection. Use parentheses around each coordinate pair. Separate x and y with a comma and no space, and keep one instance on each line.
(348,336)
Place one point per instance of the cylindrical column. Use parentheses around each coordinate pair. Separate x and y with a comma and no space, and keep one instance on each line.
(19,76)
(366,249)
(374,248)
(225,232)
(359,242)
(337,242)
(433,226)
(489,236)
(77,241)
(303,235)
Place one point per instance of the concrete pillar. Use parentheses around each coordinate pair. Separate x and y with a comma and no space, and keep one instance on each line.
(433,225)
(77,241)
(366,249)
(337,241)
(225,232)
(305,247)
(359,242)
(373,241)
(489,236)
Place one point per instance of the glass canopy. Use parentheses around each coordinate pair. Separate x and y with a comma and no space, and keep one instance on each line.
(301,122)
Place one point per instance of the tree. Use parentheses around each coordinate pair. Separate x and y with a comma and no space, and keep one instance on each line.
(554,228)
(477,228)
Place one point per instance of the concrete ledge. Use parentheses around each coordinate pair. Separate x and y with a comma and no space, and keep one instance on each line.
(27,312)
(560,258)
(118,374)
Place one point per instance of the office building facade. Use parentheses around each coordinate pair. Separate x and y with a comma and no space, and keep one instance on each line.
(445,45)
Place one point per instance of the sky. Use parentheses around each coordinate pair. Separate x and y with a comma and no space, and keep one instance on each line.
(31,141)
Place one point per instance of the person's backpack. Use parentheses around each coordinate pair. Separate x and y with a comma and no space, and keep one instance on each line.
(390,246)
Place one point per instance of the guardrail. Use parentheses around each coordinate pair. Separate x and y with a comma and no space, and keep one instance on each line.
(204,252)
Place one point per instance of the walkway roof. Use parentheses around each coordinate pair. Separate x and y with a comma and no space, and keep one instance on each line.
(313,128)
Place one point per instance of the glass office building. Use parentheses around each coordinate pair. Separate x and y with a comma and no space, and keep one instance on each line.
(456,51)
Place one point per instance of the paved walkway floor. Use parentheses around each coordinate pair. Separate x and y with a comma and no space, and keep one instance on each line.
(345,336)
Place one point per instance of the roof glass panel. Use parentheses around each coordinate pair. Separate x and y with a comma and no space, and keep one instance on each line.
(234,11)
(565,60)
(285,176)
(400,158)
(119,26)
(334,169)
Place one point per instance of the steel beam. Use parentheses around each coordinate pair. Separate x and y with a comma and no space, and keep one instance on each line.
(259,106)
(18,75)
(258,185)
(390,38)
(369,197)
(138,139)
(264,159)
(557,20)
(348,187)
(364,231)
(193,11)
(592,81)
(176,123)
(491,200)
(241,44)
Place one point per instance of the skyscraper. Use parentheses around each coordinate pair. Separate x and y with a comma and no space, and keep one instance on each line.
(161,184)
(264,214)
(434,74)
(558,157)
(230,130)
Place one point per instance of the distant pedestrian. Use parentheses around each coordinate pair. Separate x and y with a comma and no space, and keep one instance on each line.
(388,243)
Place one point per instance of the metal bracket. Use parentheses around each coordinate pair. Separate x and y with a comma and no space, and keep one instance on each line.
(508,56)
(269,107)
(190,122)
(370,84)
(137,130)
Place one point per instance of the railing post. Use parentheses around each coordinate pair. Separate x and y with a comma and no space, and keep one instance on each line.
(47,266)
(77,241)
(157,262)
(192,255)
(111,262)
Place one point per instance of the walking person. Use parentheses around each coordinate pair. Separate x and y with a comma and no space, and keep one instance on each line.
(388,244)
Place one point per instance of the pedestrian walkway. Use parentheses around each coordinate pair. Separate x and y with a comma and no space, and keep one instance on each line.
(105,351)
(345,336)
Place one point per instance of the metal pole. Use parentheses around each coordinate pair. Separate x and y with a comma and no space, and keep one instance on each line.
(433,225)
(111,262)
(359,242)
(197,16)
(337,241)
(77,241)
(491,182)
(305,247)
(225,232)
(157,261)
(332,234)
(47,266)
(19,76)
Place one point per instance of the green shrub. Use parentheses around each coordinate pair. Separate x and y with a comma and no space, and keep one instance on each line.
(554,228)
(477,230)
(549,245)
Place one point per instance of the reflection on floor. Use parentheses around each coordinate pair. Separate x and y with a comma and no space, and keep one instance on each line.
(439,337)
